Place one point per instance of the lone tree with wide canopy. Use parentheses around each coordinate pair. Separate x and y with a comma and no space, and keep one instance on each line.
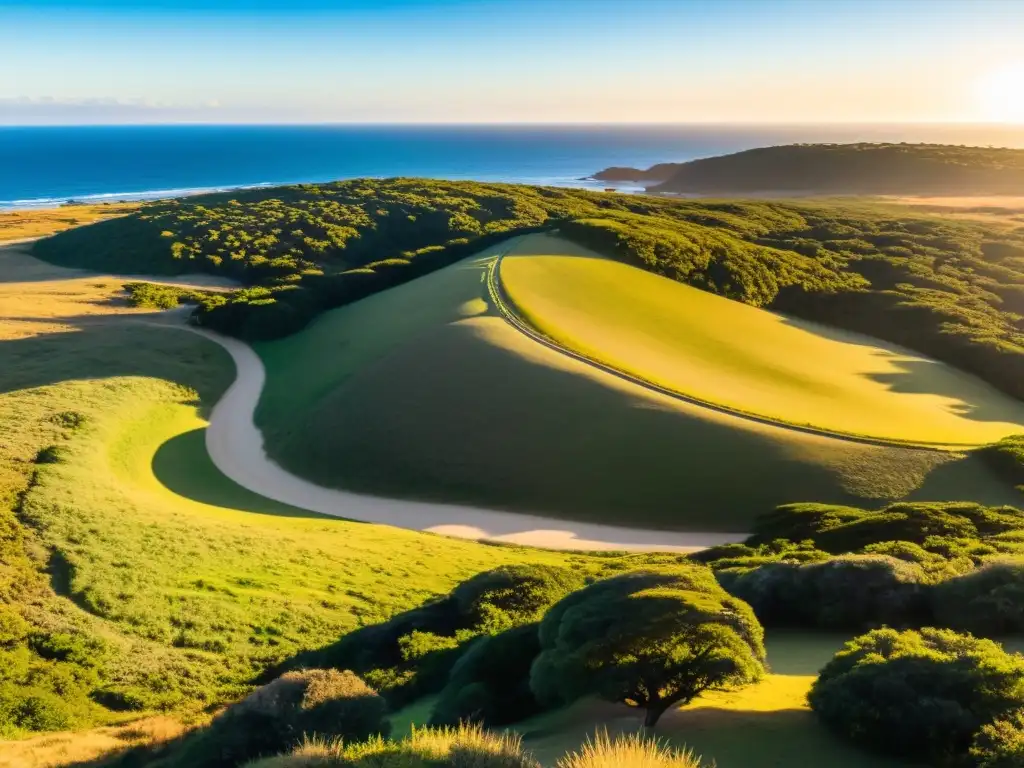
(650,639)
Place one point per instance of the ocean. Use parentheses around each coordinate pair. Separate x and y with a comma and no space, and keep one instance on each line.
(46,166)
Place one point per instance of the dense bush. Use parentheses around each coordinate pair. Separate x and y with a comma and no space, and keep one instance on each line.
(918,695)
(412,654)
(988,601)
(849,592)
(649,639)
(275,718)
(839,529)
(951,289)
(154,296)
(490,683)
(1000,744)
(513,594)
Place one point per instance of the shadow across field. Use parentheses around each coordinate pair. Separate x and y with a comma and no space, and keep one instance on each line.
(183,466)
(106,348)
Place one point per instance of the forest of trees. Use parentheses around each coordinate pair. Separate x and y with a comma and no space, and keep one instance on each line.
(952,289)
(840,169)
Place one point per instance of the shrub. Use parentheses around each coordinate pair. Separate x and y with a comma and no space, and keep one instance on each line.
(275,717)
(846,592)
(490,684)
(649,639)
(513,594)
(918,695)
(411,655)
(1000,744)
(630,751)
(988,601)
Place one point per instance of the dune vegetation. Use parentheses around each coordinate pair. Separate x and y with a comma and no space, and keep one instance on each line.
(745,359)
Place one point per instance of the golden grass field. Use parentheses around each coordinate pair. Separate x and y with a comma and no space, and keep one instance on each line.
(747,359)
(40,222)
(426,391)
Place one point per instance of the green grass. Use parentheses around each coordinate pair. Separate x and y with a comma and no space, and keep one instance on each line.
(192,583)
(767,725)
(746,359)
(424,391)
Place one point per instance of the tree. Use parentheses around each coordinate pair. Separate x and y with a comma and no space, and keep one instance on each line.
(918,695)
(649,639)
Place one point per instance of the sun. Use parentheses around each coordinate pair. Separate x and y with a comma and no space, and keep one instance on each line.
(1001,94)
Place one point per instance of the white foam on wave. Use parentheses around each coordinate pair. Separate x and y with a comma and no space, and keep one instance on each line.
(162,194)
(152,194)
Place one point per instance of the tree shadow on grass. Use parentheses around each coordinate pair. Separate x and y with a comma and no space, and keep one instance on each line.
(727,738)
(915,373)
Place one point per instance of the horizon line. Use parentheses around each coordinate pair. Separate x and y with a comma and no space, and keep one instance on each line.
(532,124)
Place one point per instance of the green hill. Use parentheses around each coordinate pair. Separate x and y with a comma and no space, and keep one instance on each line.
(840,169)
(747,360)
(426,391)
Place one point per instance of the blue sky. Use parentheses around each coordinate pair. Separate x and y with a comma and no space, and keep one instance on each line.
(110,61)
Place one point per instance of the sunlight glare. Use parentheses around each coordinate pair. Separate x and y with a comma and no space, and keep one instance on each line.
(1001,94)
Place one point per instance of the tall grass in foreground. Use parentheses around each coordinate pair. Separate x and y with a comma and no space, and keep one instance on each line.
(470,746)
(627,751)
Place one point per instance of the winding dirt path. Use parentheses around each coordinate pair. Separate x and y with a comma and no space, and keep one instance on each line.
(235,445)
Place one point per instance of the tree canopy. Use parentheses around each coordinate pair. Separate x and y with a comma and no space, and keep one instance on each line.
(951,289)
(920,695)
(649,639)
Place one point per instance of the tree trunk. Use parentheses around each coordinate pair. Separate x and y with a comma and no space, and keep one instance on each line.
(654,712)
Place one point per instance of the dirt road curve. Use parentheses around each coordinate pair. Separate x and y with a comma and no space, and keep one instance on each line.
(236,448)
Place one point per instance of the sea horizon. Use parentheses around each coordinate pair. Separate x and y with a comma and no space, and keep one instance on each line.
(50,165)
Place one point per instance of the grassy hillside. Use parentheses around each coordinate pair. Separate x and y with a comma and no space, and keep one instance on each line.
(425,391)
(845,169)
(133,576)
(746,359)
(42,222)
(951,289)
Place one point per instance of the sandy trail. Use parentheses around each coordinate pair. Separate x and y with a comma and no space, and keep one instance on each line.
(235,446)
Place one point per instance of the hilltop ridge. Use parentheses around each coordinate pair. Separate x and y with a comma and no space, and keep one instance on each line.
(853,169)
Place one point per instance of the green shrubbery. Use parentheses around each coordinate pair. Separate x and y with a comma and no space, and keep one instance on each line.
(490,683)
(412,654)
(1000,744)
(154,296)
(843,592)
(279,715)
(955,565)
(921,695)
(650,639)
(951,289)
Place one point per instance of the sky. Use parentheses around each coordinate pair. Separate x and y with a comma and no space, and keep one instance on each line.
(517,61)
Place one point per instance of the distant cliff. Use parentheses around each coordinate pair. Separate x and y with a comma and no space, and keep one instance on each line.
(847,169)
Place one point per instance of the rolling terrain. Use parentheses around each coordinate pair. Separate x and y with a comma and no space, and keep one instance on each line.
(839,169)
(427,391)
(747,360)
